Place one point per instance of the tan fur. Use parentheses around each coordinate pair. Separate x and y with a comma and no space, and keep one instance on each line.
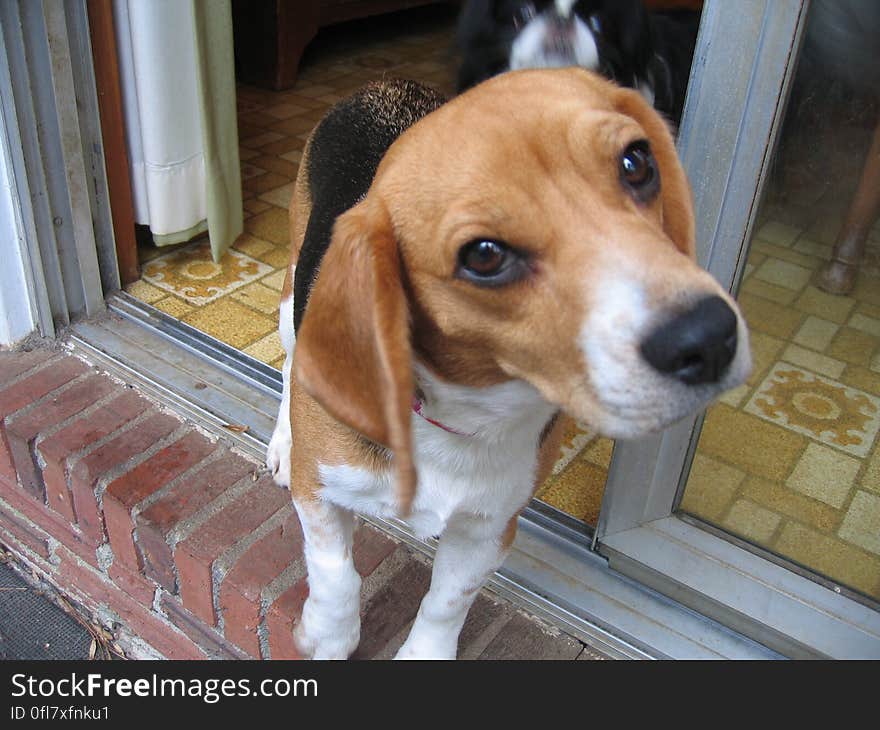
(386,290)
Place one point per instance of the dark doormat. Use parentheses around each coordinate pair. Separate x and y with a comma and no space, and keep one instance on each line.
(33,627)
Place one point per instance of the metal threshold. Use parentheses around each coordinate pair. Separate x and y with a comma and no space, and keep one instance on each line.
(551,571)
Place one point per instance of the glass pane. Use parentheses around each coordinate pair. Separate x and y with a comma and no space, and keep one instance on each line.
(791,460)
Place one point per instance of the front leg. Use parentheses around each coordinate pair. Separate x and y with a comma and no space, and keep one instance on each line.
(330,626)
(470,550)
(278,451)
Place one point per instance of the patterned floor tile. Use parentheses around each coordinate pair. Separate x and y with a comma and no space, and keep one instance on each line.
(191,273)
(824,474)
(823,410)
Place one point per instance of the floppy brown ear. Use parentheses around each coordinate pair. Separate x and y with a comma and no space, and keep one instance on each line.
(675,191)
(353,352)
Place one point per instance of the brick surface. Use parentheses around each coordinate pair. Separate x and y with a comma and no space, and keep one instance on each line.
(371,547)
(15,396)
(14,364)
(128,490)
(179,505)
(393,607)
(282,616)
(77,436)
(88,470)
(134,584)
(30,389)
(210,641)
(50,411)
(24,533)
(195,555)
(50,521)
(523,638)
(256,568)
(94,591)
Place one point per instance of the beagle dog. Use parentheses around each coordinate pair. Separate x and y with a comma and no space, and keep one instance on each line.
(462,274)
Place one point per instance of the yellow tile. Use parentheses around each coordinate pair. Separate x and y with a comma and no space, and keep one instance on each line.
(276,280)
(871,477)
(784,501)
(293,126)
(230,322)
(853,346)
(254,206)
(866,290)
(751,521)
(277,164)
(144,292)
(251,245)
(778,233)
(270,225)
(824,474)
(831,557)
(264,182)
(861,525)
(765,352)
(782,273)
(267,350)
(283,145)
(710,487)
(174,306)
(749,443)
(813,361)
(816,333)
(577,491)
(260,140)
(869,325)
(283,111)
(769,317)
(259,297)
(279,196)
(599,452)
(277,363)
(774,293)
(816,249)
(828,306)
(862,378)
(786,254)
(735,396)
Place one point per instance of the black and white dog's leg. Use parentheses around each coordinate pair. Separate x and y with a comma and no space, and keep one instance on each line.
(470,550)
(278,451)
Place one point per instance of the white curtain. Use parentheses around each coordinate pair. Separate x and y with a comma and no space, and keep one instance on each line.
(178,93)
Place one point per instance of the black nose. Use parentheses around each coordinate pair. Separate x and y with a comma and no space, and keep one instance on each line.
(697,346)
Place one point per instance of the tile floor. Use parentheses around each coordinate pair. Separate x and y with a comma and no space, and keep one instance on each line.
(790,461)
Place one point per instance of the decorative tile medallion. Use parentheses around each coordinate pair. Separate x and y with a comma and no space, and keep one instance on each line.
(801,401)
(191,273)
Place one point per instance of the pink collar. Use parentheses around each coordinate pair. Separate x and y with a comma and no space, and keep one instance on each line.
(418,404)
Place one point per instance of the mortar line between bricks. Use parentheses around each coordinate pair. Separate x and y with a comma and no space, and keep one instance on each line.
(154,497)
(9,509)
(133,462)
(34,370)
(60,390)
(221,565)
(182,530)
(50,431)
(71,460)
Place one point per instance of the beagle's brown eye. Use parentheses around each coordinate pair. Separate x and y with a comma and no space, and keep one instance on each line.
(638,170)
(490,263)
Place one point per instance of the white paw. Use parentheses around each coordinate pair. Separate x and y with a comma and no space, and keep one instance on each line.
(315,639)
(415,649)
(278,455)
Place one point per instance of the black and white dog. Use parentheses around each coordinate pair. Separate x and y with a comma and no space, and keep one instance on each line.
(648,51)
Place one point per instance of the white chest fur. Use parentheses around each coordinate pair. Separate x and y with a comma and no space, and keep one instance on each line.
(488,473)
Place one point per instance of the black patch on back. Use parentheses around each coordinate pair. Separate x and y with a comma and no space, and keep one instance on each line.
(346,148)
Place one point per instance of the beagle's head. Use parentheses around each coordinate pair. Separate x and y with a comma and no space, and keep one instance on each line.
(538,227)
